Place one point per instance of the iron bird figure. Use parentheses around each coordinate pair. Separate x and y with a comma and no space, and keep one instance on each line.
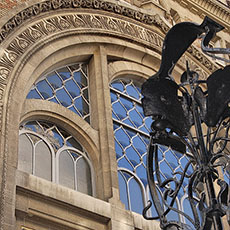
(191,117)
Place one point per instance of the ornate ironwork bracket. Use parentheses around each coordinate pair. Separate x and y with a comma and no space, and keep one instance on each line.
(192,118)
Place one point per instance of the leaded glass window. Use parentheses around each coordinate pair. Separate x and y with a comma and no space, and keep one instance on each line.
(131,140)
(131,134)
(67,86)
(49,152)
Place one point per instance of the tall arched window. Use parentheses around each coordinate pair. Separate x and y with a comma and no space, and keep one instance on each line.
(131,140)
(131,134)
(48,151)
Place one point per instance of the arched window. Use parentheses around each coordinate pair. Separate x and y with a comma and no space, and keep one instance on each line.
(49,152)
(131,139)
(131,134)
(67,86)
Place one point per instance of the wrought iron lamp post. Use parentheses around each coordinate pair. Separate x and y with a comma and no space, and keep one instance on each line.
(193,118)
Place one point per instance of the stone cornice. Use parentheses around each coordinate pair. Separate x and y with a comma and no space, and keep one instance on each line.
(55,5)
(212,8)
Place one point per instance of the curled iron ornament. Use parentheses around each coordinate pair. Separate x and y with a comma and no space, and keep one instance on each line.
(194,122)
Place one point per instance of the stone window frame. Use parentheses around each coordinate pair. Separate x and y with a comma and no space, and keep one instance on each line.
(42,138)
(55,159)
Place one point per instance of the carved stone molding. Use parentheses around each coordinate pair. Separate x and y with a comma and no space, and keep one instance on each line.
(211,8)
(88,22)
(202,59)
(54,5)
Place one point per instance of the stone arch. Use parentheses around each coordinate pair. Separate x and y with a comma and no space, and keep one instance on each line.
(42,33)
(133,70)
(22,54)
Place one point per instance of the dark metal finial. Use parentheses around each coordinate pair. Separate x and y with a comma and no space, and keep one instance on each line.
(180,112)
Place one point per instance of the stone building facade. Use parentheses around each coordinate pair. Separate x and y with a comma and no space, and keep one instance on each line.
(63,64)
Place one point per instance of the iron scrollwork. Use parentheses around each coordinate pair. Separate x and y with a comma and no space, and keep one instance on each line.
(192,118)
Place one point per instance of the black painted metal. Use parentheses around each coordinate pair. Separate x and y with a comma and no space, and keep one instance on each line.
(186,117)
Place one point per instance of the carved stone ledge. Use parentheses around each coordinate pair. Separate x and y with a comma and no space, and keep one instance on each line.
(211,8)
(54,5)
(201,58)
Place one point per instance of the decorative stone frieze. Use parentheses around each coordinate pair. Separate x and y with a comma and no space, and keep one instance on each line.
(201,58)
(54,5)
(212,8)
(91,24)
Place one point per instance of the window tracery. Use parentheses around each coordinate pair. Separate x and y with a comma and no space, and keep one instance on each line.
(131,130)
(49,152)
(67,86)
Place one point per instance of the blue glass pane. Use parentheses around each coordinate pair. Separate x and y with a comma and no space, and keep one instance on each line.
(75,155)
(136,197)
(123,190)
(123,163)
(190,170)
(128,122)
(171,159)
(113,97)
(187,209)
(122,138)
(140,110)
(80,79)
(63,97)
(163,148)
(148,122)
(64,73)
(45,90)
(226,177)
(160,154)
(132,154)
(72,88)
(146,140)
(138,143)
(165,169)
(144,159)
(54,81)
(57,139)
(173,215)
(119,110)
(127,103)
(81,106)
(33,126)
(130,133)
(141,172)
(131,91)
(144,129)
(141,151)
(183,161)
(33,94)
(178,154)
(115,126)
(135,117)
(117,85)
